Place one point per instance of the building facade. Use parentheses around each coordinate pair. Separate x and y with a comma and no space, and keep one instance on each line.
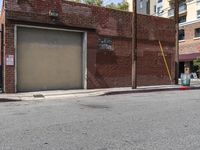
(189,33)
(143,6)
(70,45)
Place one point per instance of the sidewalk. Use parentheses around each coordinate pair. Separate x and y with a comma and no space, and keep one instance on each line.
(42,95)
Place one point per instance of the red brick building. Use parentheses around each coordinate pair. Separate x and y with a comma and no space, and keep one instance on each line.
(189,44)
(50,45)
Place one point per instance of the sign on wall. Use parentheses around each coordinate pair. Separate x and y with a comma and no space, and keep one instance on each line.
(10,60)
(105,44)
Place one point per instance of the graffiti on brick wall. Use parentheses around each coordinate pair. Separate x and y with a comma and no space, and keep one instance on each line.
(105,44)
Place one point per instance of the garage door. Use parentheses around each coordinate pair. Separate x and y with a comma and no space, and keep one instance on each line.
(48,59)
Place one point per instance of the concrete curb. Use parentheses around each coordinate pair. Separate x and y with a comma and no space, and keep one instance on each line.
(45,96)
(32,96)
(148,90)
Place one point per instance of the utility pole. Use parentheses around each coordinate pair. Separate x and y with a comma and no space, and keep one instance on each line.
(176,18)
(134,45)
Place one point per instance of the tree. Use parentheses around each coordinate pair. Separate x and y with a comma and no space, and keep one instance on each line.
(196,66)
(78,1)
(93,2)
(120,6)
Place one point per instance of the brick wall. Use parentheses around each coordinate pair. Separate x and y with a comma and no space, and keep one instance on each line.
(190,46)
(105,68)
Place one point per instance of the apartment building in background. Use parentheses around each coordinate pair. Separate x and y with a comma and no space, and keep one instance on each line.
(143,6)
(189,29)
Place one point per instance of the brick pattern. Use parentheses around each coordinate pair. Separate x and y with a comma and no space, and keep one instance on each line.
(151,67)
(105,68)
(113,68)
(9,50)
(190,45)
(109,68)
(108,22)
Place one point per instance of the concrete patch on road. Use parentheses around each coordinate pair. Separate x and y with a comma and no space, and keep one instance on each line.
(96,106)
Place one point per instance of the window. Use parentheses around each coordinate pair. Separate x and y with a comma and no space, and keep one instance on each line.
(154,8)
(198,3)
(182,19)
(181,34)
(141,3)
(159,1)
(198,14)
(197,32)
(159,10)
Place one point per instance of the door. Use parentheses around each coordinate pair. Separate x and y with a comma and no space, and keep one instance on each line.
(48,59)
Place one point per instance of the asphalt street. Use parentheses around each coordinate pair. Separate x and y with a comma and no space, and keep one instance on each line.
(142,121)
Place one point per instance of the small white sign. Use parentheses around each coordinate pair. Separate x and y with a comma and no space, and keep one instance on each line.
(10,60)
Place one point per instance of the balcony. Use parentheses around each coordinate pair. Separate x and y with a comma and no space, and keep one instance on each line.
(182,9)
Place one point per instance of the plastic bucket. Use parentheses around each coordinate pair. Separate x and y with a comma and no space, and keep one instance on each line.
(185,79)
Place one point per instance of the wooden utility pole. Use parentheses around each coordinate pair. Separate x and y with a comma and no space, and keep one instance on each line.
(134,45)
(176,20)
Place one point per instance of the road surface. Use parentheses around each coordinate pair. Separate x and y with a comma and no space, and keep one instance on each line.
(143,121)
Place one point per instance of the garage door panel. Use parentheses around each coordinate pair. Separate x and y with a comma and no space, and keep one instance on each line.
(48,59)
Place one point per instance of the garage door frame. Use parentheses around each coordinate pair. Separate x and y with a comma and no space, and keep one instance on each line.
(84,49)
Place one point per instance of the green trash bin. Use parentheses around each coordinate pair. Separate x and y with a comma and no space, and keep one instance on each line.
(185,79)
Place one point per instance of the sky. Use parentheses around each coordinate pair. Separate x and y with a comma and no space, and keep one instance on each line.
(111,1)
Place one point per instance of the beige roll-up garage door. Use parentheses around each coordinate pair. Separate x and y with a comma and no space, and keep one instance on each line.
(48,59)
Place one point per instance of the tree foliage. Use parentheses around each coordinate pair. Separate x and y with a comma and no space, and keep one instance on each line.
(196,66)
(93,2)
(120,6)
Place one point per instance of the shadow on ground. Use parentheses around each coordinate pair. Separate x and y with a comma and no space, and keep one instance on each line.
(2,100)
